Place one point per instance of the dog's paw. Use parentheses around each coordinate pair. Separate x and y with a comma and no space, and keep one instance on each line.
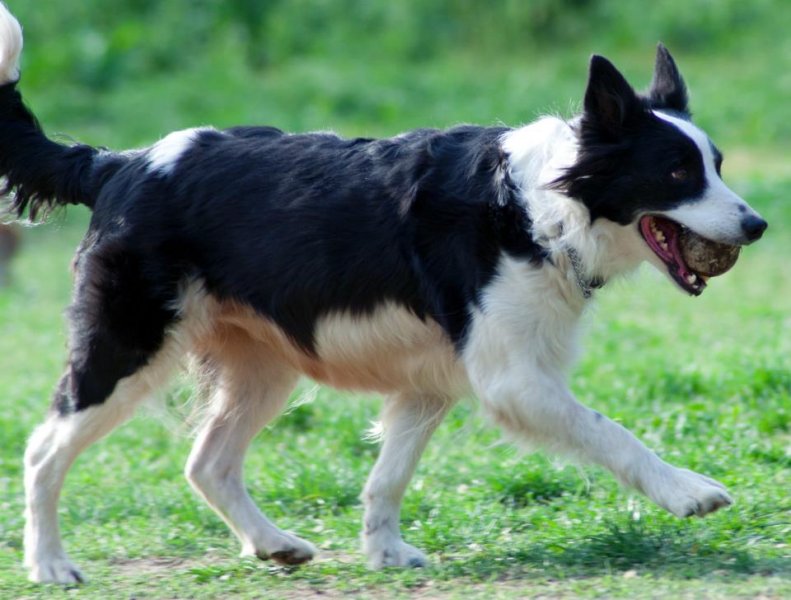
(688,494)
(55,570)
(286,549)
(396,553)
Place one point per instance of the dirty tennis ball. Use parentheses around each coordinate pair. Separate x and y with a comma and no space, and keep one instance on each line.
(706,257)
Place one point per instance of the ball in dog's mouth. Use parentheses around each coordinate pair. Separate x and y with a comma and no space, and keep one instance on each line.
(706,257)
(690,258)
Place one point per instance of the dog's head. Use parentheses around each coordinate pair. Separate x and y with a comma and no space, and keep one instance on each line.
(643,165)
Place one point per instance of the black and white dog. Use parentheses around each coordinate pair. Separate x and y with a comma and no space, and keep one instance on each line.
(425,266)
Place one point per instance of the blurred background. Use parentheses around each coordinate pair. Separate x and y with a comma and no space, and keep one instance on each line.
(125,73)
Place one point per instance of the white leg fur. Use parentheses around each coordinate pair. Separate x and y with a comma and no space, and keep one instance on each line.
(408,421)
(247,397)
(541,410)
(516,359)
(55,445)
(51,450)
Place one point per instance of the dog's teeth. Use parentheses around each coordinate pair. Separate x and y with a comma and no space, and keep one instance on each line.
(663,245)
(691,279)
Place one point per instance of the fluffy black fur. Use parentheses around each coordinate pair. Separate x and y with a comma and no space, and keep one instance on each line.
(42,173)
(294,226)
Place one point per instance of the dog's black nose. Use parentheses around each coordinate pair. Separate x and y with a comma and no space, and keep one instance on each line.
(754,227)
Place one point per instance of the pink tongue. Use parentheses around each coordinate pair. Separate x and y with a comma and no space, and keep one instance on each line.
(672,239)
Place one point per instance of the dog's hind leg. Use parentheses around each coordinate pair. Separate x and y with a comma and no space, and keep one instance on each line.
(251,389)
(119,352)
(55,445)
(408,422)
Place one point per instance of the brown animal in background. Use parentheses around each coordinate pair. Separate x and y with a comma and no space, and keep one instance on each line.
(9,243)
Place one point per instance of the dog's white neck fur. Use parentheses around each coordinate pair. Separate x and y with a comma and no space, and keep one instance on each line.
(537,154)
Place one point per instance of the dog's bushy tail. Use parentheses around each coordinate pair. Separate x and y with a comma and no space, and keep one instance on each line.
(39,173)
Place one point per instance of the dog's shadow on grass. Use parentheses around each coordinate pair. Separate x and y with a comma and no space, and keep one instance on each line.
(669,550)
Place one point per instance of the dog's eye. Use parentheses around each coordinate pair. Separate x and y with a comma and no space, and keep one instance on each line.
(679,175)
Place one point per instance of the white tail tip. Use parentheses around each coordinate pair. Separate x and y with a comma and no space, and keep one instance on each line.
(10,46)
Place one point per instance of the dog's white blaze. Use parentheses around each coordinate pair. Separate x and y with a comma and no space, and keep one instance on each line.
(719,213)
(10,46)
(165,154)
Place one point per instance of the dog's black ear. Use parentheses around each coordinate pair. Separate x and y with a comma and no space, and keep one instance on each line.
(667,90)
(610,102)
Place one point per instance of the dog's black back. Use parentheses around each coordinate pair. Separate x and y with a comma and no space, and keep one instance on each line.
(292,226)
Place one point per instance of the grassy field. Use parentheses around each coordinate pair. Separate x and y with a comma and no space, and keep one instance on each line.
(705,382)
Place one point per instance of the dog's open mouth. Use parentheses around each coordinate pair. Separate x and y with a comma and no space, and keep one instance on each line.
(690,258)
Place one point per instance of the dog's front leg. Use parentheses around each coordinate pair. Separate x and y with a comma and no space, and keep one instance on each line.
(534,404)
(408,420)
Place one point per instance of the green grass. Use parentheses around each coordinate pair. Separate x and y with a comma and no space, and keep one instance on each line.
(706,382)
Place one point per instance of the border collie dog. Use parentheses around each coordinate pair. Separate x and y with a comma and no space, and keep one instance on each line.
(425,266)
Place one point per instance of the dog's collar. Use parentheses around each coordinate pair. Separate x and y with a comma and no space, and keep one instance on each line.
(585,284)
